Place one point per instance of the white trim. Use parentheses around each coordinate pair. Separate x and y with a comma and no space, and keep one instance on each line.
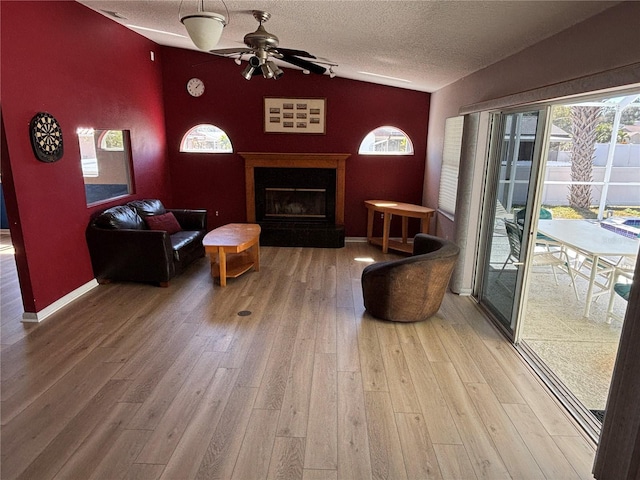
(30,317)
(356,239)
(464,292)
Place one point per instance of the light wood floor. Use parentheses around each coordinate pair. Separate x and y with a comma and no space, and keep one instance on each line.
(140,382)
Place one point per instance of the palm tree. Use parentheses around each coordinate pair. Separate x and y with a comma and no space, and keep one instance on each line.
(584,121)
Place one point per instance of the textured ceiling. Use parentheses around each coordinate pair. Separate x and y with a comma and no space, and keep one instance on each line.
(427,43)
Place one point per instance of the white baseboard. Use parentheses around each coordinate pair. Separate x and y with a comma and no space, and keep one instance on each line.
(465,292)
(30,317)
(355,239)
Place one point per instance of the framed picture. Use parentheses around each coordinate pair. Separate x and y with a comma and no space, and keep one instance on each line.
(294,115)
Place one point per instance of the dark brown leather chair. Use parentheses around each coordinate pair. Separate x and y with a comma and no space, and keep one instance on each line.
(410,289)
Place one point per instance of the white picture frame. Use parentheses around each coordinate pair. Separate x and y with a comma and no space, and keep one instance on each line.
(294,115)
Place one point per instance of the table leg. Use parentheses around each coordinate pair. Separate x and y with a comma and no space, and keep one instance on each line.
(256,257)
(370,214)
(222,261)
(386,226)
(425,222)
(213,258)
(405,229)
(592,280)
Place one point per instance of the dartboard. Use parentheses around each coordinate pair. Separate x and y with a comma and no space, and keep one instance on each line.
(46,137)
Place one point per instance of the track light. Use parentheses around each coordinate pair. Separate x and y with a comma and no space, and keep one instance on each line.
(238,60)
(332,74)
(248,72)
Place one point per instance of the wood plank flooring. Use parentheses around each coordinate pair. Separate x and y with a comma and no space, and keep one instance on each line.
(138,382)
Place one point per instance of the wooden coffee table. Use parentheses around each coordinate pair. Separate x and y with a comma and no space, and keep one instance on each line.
(242,241)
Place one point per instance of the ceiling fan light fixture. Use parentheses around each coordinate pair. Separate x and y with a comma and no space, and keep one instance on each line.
(204,28)
(277,72)
(247,73)
(267,72)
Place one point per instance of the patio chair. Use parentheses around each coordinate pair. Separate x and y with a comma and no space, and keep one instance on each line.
(622,289)
(554,259)
(540,238)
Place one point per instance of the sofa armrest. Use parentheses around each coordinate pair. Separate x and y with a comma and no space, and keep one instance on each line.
(190,219)
(131,255)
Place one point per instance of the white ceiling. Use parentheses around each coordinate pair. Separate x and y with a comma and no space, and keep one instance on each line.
(429,43)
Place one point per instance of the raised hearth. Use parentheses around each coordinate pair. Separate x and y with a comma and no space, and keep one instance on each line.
(297,198)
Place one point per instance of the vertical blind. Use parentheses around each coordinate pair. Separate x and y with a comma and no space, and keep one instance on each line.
(450,164)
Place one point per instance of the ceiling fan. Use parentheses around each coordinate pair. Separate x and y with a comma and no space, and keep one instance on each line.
(263,46)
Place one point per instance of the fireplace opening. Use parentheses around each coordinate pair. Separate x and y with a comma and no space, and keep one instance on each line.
(295,195)
(286,203)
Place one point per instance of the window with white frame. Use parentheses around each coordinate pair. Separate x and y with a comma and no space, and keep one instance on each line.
(386,140)
(206,138)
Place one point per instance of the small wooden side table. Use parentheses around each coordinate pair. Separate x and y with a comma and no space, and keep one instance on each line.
(404,210)
(242,239)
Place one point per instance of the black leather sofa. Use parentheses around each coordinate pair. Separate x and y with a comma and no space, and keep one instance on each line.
(125,245)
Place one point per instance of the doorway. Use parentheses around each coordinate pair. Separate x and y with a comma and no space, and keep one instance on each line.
(558,297)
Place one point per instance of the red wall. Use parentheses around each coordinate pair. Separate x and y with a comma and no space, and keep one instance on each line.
(353,109)
(86,70)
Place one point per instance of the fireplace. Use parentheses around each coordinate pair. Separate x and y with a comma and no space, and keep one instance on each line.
(298,199)
(293,202)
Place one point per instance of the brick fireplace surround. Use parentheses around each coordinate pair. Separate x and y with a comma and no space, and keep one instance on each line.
(298,232)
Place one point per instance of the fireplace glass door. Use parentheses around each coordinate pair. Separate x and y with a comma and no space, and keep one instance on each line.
(301,195)
(309,203)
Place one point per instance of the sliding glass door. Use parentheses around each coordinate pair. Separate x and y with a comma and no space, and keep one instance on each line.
(560,228)
(511,178)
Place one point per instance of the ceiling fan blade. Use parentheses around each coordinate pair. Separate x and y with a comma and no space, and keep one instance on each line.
(297,53)
(298,62)
(227,52)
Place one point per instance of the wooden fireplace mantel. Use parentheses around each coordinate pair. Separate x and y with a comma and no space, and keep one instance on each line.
(294,160)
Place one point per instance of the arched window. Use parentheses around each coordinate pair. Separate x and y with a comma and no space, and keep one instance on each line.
(206,139)
(112,140)
(387,140)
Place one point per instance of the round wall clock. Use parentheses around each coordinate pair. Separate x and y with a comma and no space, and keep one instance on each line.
(46,137)
(195,87)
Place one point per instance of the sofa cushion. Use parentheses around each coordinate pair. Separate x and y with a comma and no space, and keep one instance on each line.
(148,207)
(166,222)
(120,217)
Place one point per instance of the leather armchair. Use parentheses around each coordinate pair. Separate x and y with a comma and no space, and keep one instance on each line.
(410,289)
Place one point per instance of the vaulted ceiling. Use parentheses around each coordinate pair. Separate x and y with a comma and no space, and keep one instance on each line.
(422,45)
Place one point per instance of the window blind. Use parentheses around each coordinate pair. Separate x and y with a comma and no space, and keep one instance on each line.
(450,164)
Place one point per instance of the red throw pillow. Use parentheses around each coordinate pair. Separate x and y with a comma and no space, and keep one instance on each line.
(166,222)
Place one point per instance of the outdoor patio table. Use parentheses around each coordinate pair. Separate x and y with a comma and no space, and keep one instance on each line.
(587,238)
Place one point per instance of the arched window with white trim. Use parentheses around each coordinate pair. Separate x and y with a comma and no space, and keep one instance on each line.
(112,141)
(206,138)
(386,140)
